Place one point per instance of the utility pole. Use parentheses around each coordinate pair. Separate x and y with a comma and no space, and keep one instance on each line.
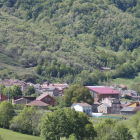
(8,95)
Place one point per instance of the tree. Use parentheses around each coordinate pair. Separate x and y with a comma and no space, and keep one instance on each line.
(111,130)
(72,137)
(77,94)
(127,96)
(6,114)
(38,69)
(30,90)
(2,86)
(6,90)
(27,121)
(16,91)
(66,122)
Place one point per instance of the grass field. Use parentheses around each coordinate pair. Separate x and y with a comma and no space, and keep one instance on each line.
(10,135)
(127,81)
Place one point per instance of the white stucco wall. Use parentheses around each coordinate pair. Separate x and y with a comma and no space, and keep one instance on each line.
(87,110)
(78,108)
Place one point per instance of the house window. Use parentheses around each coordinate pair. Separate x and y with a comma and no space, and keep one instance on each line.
(45,99)
(49,99)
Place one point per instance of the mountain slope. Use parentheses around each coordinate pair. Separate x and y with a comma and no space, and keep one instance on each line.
(39,32)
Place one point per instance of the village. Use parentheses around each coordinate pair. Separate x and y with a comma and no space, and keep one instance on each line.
(107,99)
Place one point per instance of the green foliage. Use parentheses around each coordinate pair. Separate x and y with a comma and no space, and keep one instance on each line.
(2,86)
(1,137)
(27,121)
(72,137)
(77,94)
(9,134)
(71,32)
(112,131)
(30,90)
(6,114)
(18,106)
(136,87)
(127,96)
(64,122)
(14,91)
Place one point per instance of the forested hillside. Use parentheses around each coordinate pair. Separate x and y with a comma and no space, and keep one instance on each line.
(69,40)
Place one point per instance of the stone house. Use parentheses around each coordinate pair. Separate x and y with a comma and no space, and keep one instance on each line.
(22,100)
(60,87)
(10,82)
(51,91)
(104,108)
(110,106)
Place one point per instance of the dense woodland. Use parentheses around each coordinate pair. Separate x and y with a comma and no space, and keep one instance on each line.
(68,41)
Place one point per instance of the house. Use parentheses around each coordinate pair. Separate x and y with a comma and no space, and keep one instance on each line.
(37,86)
(123,87)
(136,98)
(130,110)
(132,92)
(104,69)
(51,91)
(60,87)
(10,82)
(110,106)
(133,104)
(39,104)
(82,107)
(102,92)
(22,100)
(104,108)
(3,98)
(95,106)
(46,98)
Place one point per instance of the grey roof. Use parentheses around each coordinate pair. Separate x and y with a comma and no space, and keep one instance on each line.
(123,102)
(106,105)
(50,88)
(133,93)
(127,109)
(82,104)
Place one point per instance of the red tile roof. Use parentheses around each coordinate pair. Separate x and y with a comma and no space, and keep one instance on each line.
(123,86)
(43,96)
(102,90)
(37,103)
(11,82)
(137,108)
